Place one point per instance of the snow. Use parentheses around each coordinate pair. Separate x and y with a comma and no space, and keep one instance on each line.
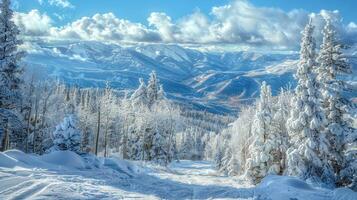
(64,158)
(66,175)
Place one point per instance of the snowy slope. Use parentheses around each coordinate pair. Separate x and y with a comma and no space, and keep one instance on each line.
(65,175)
(203,79)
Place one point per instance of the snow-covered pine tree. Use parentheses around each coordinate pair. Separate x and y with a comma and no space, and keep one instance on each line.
(218,157)
(279,130)
(10,71)
(227,156)
(233,166)
(109,113)
(139,97)
(332,65)
(152,89)
(158,152)
(67,136)
(261,161)
(308,155)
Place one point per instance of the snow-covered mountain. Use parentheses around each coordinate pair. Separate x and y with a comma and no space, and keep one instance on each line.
(217,82)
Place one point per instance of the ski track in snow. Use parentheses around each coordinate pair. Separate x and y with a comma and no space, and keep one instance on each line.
(183,180)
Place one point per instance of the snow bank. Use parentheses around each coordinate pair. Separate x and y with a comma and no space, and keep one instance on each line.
(286,187)
(8,161)
(16,158)
(53,160)
(122,166)
(67,159)
(58,160)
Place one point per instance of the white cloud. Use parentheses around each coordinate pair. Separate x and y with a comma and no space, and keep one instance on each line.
(58,3)
(238,23)
(33,23)
(61,3)
(106,27)
(163,24)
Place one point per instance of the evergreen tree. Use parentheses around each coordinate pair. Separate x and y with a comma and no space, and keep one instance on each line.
(333,64)
(139,97)
(10,71)
(264,143)
(67,136)
(158,151)
(153,89)
(279,130)
(308,155)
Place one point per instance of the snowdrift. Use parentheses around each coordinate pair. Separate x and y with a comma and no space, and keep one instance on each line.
(65,160)
(286,187)
(53,160)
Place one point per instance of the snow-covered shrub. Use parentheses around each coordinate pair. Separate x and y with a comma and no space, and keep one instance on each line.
(67,136)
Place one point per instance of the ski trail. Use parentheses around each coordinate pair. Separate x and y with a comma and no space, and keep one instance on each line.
(16,186)
(31,191)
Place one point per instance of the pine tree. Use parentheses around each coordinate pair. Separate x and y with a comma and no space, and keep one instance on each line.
(307,157)
(152,89)
(139,97)
(264,143)
(279,130)
(10,71)
(67,136)
(158,151)
(333,64)
(226,159)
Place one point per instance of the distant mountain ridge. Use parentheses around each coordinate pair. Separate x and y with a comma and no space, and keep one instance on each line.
(216,82)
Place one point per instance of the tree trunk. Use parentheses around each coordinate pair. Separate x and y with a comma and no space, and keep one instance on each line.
(28,130)
(106,138)
(98,131)
(35,127)
(5,143)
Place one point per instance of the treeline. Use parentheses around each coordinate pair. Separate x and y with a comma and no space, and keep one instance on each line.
(307,133)
(141,126)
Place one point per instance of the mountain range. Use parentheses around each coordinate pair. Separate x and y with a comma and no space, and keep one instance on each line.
(218,82)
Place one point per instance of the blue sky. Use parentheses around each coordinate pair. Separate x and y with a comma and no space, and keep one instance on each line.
(244,23)
(139,10)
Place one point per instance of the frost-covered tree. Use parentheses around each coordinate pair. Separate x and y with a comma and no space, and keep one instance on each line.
(108,107)
(153,88)
(264,142)
(67,136)
(10,71)
(153,123)
(281,107)
(140,97)
(308,155)
(158,151)
(332,65)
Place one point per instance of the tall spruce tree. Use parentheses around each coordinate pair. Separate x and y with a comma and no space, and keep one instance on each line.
(10,71)
(333,64)
(308,155)
(153,89)
(261,160)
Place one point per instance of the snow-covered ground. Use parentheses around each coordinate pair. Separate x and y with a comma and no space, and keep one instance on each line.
(65,175)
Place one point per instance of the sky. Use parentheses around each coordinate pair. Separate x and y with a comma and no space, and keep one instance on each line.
(249,23)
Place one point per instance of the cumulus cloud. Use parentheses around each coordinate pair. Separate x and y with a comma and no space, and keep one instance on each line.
(239,22)
(33,23)
(106,27)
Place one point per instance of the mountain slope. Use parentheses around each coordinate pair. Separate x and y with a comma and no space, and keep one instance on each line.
(217,82)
